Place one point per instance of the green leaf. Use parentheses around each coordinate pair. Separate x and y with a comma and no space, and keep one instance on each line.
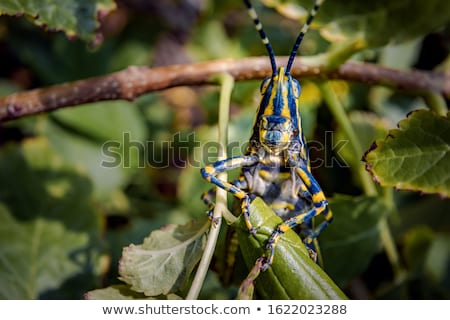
(106,139)
(293,275)
(415,156)
(121,292)
(115,292)
(165,260)
(352,239)
(103,120)
(44,195)
(75,18)
(36,255)
(37,183)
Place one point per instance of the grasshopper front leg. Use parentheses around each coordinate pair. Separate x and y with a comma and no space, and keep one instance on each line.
(210,172)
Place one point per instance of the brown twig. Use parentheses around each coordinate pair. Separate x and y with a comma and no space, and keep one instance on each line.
(135,81)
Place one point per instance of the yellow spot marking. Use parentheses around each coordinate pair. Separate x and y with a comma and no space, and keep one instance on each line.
(317,197)
(265,175)
(282,205)
(284,175)
(304,177)
(319,210)
(241,195)
(329,215)
(209,169)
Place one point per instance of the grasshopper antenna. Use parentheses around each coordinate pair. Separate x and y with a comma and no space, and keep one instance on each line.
(265,40)
(302,33)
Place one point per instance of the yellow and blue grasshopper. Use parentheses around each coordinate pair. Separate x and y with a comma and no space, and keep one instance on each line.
(276,164)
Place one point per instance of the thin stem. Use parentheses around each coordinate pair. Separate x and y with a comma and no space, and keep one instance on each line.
(386,236)
(368,185)
(227,82)
(390,248)
(130,83)
(340,115)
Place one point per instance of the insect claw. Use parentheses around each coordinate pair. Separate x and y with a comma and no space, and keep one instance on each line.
(312,254)
(215,221)
(265,264)
(210,215)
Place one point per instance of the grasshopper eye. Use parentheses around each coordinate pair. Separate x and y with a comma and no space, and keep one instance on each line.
(265,85)
(296,89)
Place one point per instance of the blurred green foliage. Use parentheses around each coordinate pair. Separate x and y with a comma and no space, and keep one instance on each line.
(78,185)
(74,18)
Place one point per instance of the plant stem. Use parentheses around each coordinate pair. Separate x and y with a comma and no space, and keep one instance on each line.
(130,83)
(340,115)
(368,185)
(226,82)
(389,247)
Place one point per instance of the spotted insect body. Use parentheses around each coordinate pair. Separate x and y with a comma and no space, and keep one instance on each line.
(276,164)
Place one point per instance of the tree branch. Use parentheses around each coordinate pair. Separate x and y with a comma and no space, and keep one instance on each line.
(135,81)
